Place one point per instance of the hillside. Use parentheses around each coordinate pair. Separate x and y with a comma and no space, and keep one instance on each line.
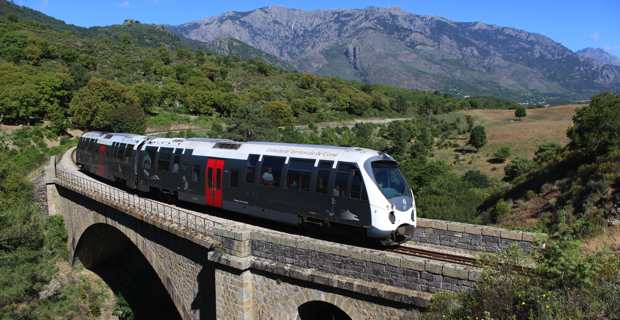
(541,125)
(390,46)
(58,72)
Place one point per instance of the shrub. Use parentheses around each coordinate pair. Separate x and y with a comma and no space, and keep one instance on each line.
(502,154)
(478,137)
(546,152)
(520,112)
(517,167)
(477,179)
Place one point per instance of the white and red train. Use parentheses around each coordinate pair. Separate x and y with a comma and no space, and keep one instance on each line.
(288,183)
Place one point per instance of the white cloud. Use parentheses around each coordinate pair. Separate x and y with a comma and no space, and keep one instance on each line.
(595,37)
(124,4)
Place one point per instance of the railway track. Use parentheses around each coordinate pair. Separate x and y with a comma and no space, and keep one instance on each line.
(434,255)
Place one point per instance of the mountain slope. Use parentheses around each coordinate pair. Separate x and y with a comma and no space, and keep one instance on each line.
(390,46)
(599,56)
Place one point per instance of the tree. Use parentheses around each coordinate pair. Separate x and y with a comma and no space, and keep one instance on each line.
(477,179)
(470,122)
(546,152)
(596,128)
(279,112)
(502,154)
(517,167)
(478,137)
(107,105)
(520,112)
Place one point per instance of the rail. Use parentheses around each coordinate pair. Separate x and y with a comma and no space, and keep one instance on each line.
(172,216)
(434,255)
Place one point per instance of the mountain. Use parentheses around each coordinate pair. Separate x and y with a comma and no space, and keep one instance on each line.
(599,56)
(390,46)
(234,47)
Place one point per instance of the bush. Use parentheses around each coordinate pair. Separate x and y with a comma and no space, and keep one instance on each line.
(477,179)
(517,167)
(546,152)
(520,112)
(478,137)
(502,154)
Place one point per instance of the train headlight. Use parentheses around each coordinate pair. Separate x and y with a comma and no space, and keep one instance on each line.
(392,217)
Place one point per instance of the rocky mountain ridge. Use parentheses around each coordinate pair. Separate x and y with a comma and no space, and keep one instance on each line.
(391,46)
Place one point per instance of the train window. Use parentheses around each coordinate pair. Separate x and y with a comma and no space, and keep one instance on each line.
(357,186)
(175,163)
(340,186)
(129,151)
(346,166)
(196,172)
(324,164)
(322,180)
(251,168)
(218,178)
(271,170)
(234,178)
(163,163)
(299,173)
(210,177)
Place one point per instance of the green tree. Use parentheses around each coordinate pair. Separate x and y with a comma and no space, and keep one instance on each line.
(477,179)
(517,167)
(596,128)
(546,152)
(107,105)
(502,154)
(520,112)
(478,137)
(279,112)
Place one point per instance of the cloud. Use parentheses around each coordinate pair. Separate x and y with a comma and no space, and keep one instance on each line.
(124,4)
(595,37)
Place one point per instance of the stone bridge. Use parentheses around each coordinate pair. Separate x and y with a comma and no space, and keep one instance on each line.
(170,262)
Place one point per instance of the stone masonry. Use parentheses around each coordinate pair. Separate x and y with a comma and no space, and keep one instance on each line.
(472,237)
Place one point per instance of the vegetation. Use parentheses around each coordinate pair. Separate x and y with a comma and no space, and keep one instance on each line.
(478,137)
(565,284)
(502,154)
(56,72)
(520,112)
(31,243)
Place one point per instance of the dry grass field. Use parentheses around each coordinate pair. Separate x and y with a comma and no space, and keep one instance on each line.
(523,137)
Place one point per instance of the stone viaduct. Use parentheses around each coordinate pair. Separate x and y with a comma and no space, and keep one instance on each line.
(183,264)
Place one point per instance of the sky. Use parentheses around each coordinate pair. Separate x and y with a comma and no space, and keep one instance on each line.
(575,24)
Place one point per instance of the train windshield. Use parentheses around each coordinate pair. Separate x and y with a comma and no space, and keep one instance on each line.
(389,179)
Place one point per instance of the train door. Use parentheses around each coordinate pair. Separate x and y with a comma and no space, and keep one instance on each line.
(213,185)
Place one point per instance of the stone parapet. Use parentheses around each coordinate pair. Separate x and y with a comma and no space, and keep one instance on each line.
(473,237)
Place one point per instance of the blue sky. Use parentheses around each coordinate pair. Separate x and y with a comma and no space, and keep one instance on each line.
(575,24)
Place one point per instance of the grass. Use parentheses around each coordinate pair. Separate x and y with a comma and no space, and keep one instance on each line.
(523,137)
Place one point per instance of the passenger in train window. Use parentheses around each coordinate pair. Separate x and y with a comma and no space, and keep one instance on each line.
(268,177)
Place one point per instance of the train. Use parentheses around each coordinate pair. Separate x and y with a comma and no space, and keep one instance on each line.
(334,187)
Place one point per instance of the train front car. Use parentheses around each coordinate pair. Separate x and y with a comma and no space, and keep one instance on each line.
(392,204)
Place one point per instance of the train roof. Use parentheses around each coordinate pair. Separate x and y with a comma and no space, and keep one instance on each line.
(240,150)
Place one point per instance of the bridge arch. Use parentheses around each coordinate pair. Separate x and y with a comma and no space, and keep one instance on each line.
(115,258)
(317,309)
